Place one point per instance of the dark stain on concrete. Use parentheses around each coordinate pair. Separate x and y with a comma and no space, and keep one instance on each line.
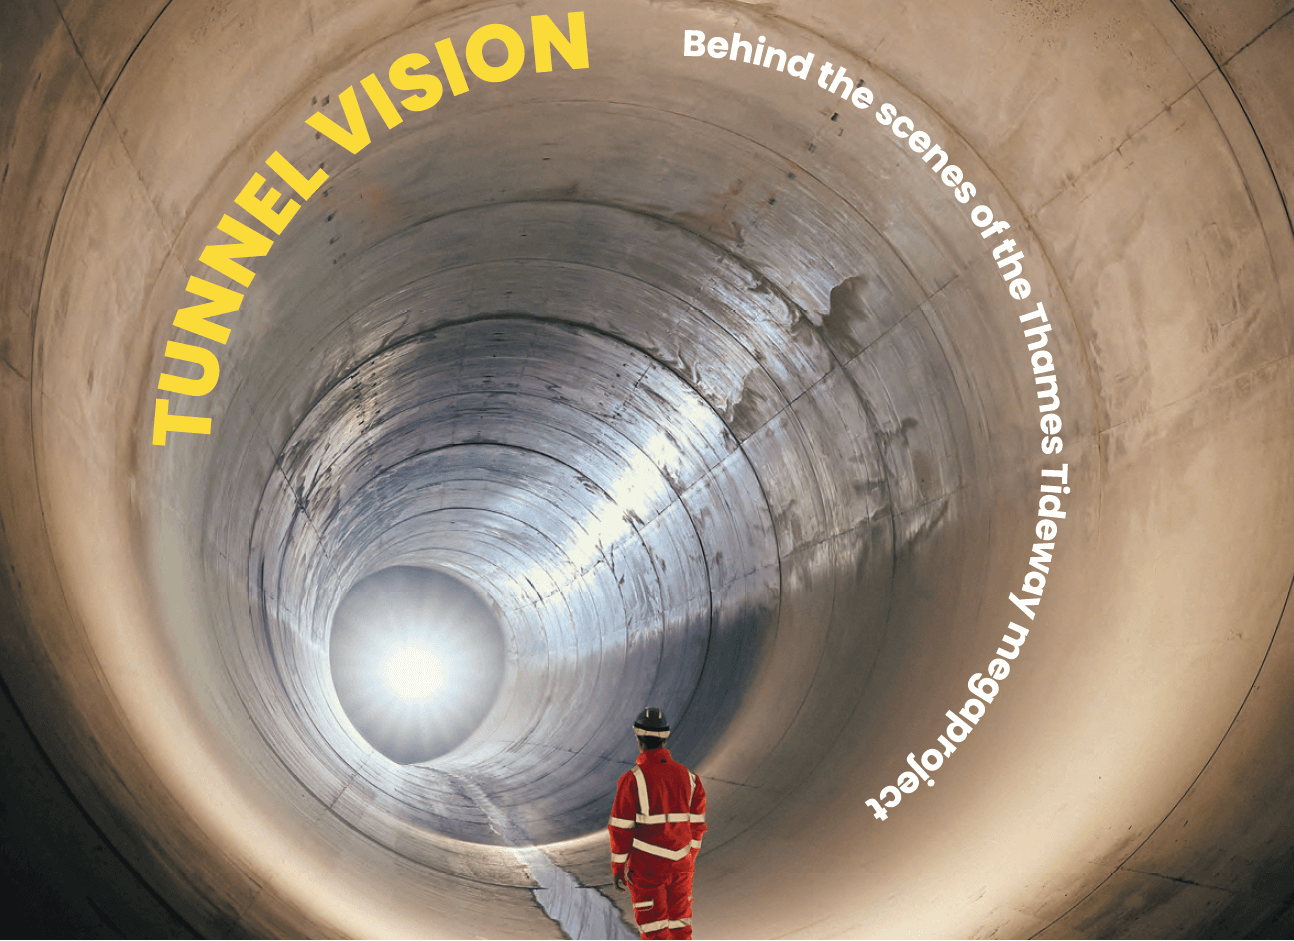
(848,308)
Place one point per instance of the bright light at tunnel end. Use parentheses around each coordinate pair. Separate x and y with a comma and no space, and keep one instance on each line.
(414,673)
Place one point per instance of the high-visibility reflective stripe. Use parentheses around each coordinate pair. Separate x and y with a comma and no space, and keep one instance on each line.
(661,851)
(680,923)
(644,805)
(647,904)
(664,818)
(696,843)
(696,818)
(653,926)
(621,822)
(619,857)
(691,787)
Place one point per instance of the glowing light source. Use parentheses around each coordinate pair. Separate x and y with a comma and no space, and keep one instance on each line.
(417,659)
(414,673)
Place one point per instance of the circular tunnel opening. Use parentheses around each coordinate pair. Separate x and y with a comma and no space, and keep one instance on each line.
(417,659)
(678,407)
(600,505)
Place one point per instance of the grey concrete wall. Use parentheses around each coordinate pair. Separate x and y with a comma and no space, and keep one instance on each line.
(711,387)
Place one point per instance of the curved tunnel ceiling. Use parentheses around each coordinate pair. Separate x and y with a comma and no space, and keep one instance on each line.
(716,386)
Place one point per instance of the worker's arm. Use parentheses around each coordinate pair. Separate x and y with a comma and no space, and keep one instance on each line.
(621,827)
(696,814)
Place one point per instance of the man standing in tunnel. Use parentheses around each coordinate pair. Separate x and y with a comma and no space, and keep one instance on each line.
(657,822)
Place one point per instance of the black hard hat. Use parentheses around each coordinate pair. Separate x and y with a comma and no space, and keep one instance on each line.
(651,721)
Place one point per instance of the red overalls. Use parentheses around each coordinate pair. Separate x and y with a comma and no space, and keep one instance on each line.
(657,822)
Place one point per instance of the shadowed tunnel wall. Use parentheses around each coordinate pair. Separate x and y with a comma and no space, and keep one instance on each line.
(710,385)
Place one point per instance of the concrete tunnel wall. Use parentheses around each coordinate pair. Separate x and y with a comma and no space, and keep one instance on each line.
(710,387)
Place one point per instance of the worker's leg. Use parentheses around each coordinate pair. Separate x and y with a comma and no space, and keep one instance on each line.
(650,911)
(678,905)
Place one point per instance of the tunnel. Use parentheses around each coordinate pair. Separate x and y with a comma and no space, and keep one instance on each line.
(896,394)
